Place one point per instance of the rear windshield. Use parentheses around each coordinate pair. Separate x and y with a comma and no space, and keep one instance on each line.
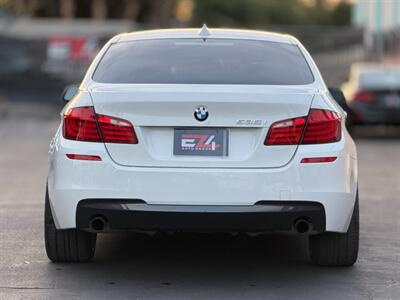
(213,61)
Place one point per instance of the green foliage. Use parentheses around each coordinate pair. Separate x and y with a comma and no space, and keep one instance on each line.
(257,13)
(342,14)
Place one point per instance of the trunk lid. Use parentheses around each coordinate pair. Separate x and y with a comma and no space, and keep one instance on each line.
(245,111)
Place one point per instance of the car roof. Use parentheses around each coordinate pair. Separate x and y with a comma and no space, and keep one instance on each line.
(205,32)
(373,67)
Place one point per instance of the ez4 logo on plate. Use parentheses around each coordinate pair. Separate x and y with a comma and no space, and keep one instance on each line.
(199,142)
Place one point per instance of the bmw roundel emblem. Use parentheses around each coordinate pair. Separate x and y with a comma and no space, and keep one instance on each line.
(201,113)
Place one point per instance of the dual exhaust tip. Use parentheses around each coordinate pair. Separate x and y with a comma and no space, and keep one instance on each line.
(98,223)
(302,226)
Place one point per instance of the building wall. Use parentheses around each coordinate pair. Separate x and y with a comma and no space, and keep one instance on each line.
(377,15)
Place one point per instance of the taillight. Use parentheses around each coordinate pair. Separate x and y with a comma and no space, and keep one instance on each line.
(80,125)
(83,124)
(321,126)
(363,96)
(115,130)
(286,132)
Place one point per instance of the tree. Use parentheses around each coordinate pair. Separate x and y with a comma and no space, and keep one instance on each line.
(258,13)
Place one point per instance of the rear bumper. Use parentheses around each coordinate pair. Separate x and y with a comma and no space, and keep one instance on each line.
(261,217)
(333,185)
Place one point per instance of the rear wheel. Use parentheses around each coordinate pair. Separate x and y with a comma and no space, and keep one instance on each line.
(337,249)
(67,245)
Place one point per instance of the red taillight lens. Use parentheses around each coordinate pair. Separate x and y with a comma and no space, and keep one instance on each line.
(362,96)
(83,124)
(80,125)
(114,130)
(321,126)
(287,132)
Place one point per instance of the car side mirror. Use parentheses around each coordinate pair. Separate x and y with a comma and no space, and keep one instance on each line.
(69,92)
(339,97)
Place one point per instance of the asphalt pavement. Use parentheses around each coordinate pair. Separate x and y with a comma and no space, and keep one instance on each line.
(188,266)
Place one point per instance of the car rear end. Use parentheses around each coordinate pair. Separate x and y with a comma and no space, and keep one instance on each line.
(376,100)
(233,132)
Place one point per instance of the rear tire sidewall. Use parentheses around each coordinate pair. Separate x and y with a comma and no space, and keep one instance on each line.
(66,245)
(337,249)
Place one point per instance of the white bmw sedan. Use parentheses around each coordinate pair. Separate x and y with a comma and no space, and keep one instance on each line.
(202,130)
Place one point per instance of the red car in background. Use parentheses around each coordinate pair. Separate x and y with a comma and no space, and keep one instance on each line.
(67,57)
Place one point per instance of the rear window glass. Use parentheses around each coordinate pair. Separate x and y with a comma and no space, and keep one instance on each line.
(213,61)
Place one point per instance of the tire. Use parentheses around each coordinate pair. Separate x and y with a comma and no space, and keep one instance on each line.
(67,245)
(337,249)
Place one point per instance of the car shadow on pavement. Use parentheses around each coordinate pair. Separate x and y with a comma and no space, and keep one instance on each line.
(206,265)
(201,247)
(205,259)
(207,247)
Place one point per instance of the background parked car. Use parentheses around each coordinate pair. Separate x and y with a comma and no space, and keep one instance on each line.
(373,93)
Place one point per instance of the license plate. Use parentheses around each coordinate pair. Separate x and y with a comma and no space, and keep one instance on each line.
(392,101)
(201,142)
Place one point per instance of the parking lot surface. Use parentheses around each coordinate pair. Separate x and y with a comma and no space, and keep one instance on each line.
(188,266)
